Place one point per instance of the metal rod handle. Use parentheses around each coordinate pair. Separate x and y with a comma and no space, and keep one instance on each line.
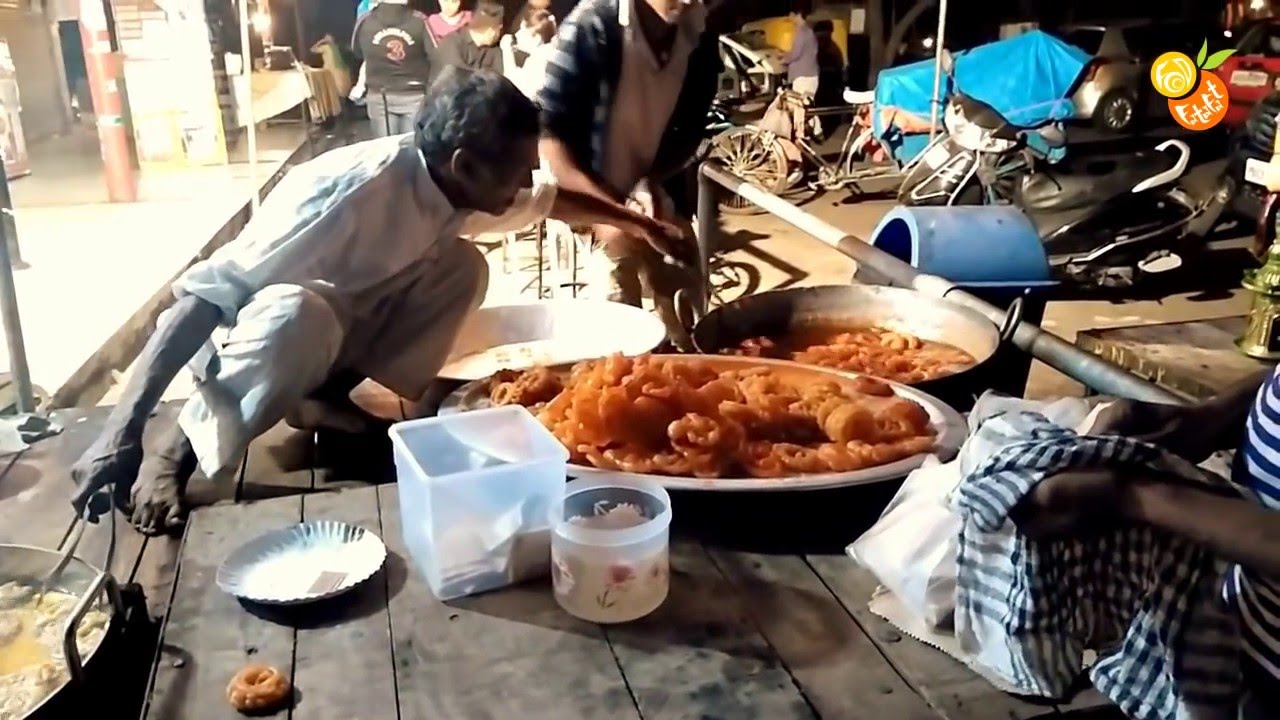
(1050,349)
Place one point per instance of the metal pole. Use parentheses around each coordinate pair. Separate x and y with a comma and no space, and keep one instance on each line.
(939,44)
(1050,349)
(10,228)
(13,327)
(707,218)
(251,127)
(105,67)
(304,54)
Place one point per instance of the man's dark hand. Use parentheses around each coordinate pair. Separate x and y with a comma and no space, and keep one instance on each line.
(1179,429)
(1070,503)
(670,241)
(107,464)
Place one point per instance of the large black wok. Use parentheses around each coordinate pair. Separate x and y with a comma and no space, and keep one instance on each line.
(94,587)
(778,312)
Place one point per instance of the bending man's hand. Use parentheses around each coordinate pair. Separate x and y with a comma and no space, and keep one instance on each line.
(666,239)
(107,465)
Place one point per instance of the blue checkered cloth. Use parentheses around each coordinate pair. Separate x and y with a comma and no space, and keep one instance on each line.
(1147,602)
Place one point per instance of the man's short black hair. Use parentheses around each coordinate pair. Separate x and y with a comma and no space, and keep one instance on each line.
(488,14)
(474,110)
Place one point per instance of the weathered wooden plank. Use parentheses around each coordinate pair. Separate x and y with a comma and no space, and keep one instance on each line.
(155,572)
(35,495)
(507,654)
(208,635)
(700,656)
(956,692)
(342,660)
(158,560)
(1198,359)
(278,464)
(839,669)
(36,487)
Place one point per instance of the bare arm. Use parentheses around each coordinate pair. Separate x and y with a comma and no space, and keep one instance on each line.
(1234,528)
(580,208)
(114,458)
(190,322)
(569,176)
(1224,414)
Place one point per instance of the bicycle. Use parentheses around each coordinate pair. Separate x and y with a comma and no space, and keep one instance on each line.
(778,152)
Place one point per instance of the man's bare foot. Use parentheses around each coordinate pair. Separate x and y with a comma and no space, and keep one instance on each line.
(154,505)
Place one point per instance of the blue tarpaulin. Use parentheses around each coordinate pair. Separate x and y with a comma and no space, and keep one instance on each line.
(1027,78)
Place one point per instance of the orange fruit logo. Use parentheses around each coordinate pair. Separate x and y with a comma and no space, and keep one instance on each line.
(1197,100)
(1173,75)
(1203,108)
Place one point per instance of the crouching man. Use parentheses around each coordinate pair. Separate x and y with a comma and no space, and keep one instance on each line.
(353,268)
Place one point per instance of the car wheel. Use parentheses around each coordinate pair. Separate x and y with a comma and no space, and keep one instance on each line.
(1117,111)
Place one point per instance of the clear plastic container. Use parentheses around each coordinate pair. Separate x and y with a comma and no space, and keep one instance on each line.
(476,491)
(609,548)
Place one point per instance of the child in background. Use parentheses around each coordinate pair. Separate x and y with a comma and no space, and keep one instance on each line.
(448,21)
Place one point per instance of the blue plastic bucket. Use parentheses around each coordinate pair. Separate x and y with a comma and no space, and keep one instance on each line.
(970,246)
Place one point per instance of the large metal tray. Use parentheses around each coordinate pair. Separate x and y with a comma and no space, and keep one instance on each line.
(566,331)
(949,424)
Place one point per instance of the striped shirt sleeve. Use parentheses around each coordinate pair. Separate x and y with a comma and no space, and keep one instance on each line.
(570,92)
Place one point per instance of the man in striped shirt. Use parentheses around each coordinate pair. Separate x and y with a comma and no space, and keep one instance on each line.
(624,108)
(1247,418)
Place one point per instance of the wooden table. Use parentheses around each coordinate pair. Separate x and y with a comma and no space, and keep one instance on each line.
(742,635)
(1196,359)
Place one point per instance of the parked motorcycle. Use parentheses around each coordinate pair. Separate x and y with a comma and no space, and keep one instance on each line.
(1103,220)
(978,154)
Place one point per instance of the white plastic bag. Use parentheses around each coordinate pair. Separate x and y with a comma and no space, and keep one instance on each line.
(912,547)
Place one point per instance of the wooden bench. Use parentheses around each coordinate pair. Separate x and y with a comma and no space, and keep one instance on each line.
(746,633)
(742,635)
(1195,359)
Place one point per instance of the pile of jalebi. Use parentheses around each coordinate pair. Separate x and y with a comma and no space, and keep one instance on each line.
(874,351)
(682,417)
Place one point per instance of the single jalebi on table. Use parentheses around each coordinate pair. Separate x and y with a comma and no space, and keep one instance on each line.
(887,354)
(683,417)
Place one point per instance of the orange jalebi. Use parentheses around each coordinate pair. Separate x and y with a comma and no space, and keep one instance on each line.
(681,417)
(875,351)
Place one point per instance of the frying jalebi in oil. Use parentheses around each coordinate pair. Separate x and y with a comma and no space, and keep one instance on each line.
(875,351)
(680,417)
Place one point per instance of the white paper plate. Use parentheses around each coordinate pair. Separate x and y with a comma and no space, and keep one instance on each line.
(301,564)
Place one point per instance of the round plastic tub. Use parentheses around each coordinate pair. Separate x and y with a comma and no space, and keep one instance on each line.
(609,548)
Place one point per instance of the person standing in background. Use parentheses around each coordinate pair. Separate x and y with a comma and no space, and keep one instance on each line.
(624,108)
(802,59)
(525,54)
(392,41)
(476,47)
(448,21)
(527,27)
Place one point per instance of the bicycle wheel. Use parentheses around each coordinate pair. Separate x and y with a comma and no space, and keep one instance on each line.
(754,156)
